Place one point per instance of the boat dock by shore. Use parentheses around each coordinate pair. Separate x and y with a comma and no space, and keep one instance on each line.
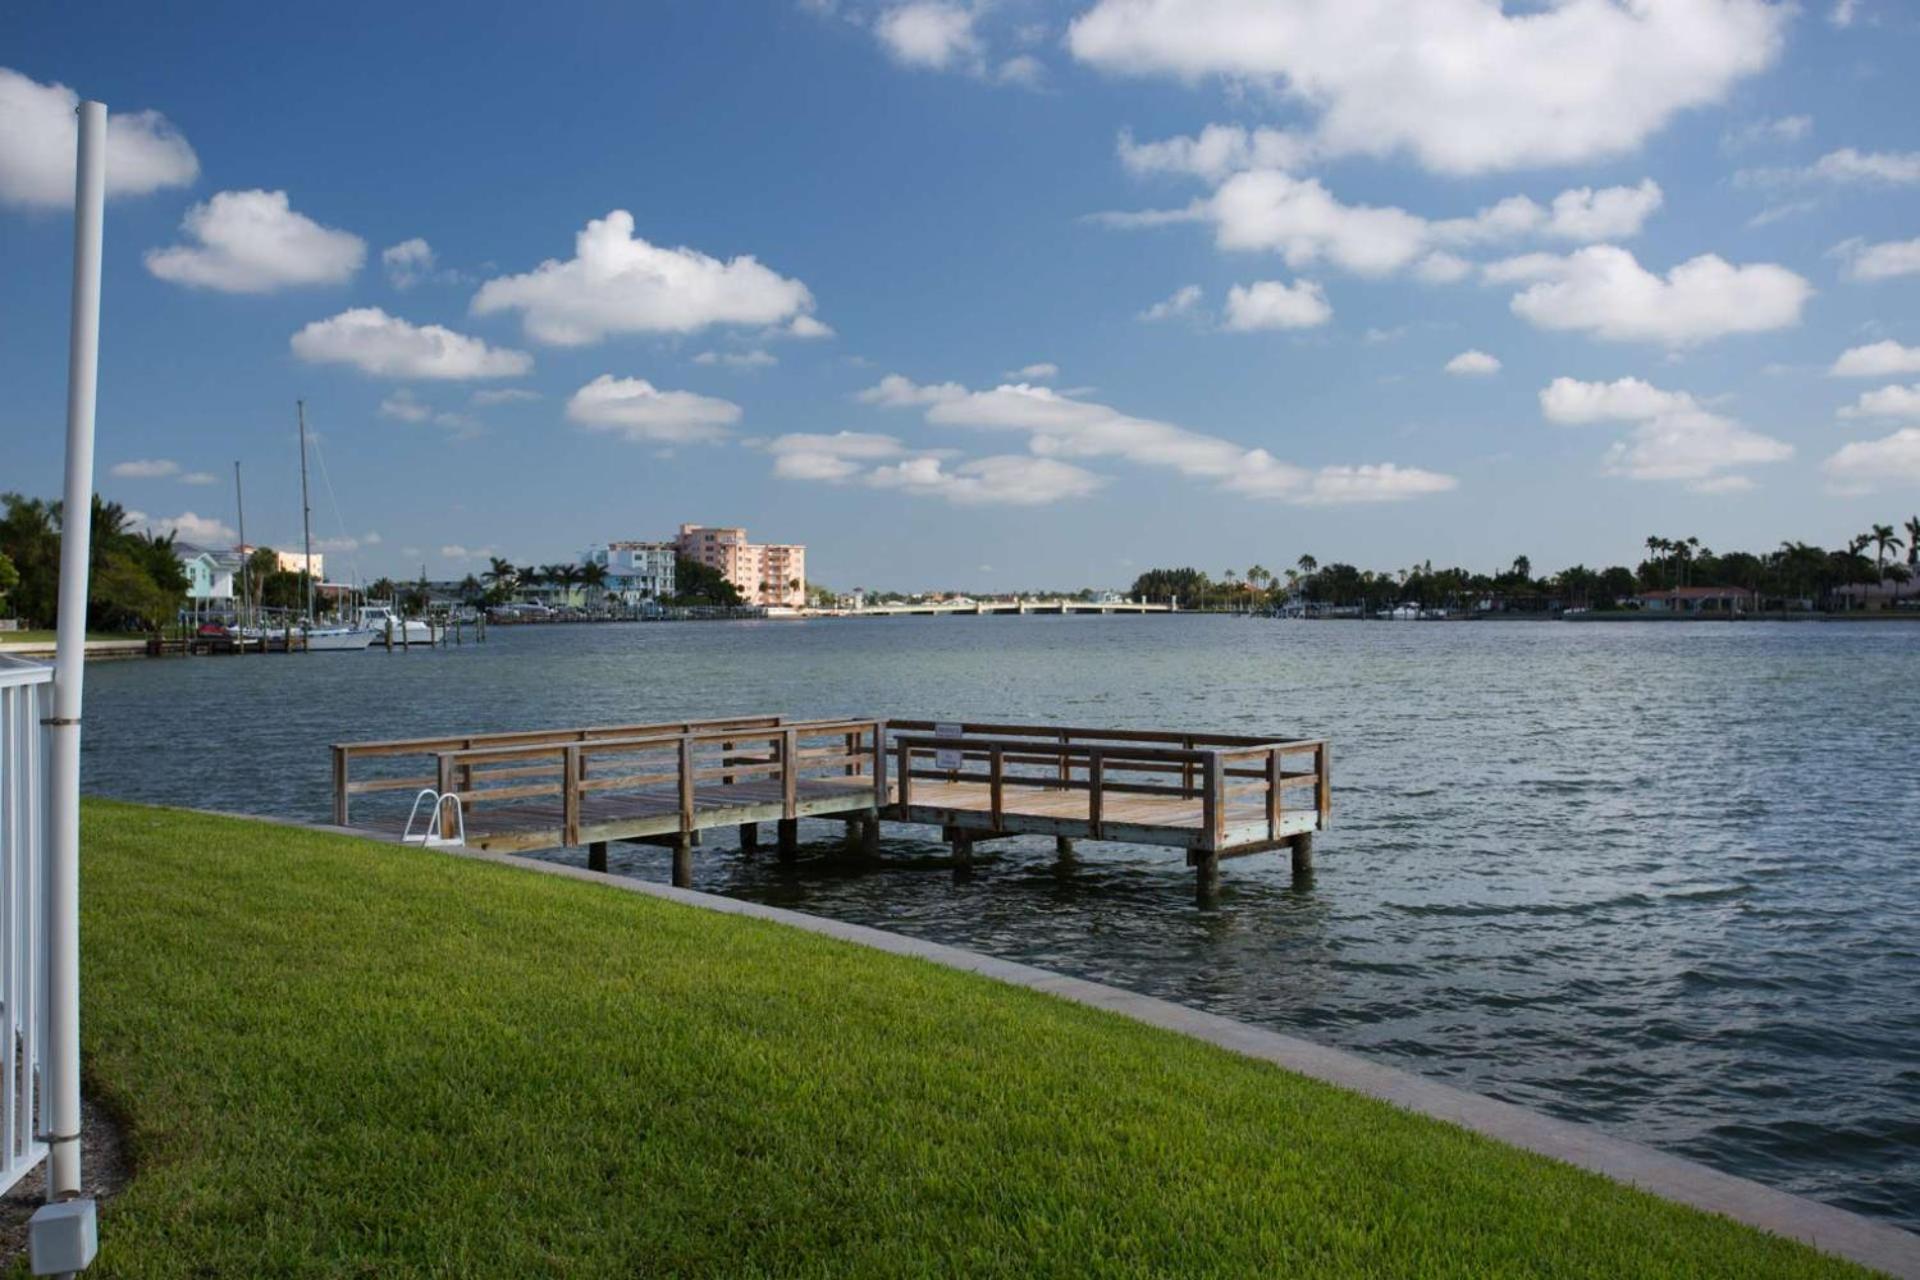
(1216,796)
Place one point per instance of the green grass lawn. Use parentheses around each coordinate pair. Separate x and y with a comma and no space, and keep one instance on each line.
(340,1058)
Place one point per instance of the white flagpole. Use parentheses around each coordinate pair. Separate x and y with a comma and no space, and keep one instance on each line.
(76,535)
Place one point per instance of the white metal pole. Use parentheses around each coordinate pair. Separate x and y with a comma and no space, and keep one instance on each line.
(76,533)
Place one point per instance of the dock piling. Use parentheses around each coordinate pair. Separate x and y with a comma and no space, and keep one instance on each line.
(1302,847)
(597,856)
(870,837)
(749,836)
(962,855)
(789,830)
(1063,848)
(1207,877)
(683,863)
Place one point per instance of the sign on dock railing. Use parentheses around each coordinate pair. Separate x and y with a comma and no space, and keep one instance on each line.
(26,698)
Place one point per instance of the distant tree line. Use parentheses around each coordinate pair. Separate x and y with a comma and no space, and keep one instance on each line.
(1792,573)
(135,581)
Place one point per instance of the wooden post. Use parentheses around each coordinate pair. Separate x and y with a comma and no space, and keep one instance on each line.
(962,855)
(686,789)
(1323,768)
(1096,776)
(789,774)
(597,856)
(870,837)
(1207,876)
(880,797)
(1211,806)
(1273,794)
(749,836)
(789,830)
(1063,848)
(906,775)
(1302,846)
(851,841)
(683,862)
(339,786)
(996,784)
(570,793)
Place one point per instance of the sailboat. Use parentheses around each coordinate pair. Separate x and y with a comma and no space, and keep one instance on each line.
(341,638)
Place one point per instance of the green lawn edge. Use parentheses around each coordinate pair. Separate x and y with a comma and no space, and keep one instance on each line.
(340,1058)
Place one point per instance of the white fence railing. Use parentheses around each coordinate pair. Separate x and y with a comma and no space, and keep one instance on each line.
(26,698)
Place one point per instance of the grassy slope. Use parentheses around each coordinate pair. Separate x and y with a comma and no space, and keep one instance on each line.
(348,1059)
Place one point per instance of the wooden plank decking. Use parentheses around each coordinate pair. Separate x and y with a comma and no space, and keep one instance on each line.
(1216,796)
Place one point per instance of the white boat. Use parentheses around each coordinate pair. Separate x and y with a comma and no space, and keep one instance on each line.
(380,622)
(336,639)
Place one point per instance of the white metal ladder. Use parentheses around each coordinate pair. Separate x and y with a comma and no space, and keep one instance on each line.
(434,834)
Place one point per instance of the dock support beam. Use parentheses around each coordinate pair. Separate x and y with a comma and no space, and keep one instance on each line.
(870,836)
(1302,846)
(749,836)
(1063,848)
(962,855)
(683,863)
(789,839)
(1206,869)
(597,856)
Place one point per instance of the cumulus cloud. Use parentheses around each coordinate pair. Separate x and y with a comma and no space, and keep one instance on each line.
(1002,480)
(1215,152)
(1888,402)
(754,359)
(929,34)
(254,242)
(617,282)
(1043,371)
(388,347)
(1182,302)
(407,263)
(144,469)
(39,135)
(1299,218)
(1382,483)
(1464,86)
(1865,465)
(206,531)
(199,478)
(1471,364)
(1061,427)
(405,406)
(637,410)
(1274,304)
(840,456)
(1876,360)
(1863,261)
(1895,168)
(1779,129)
(1672,436)
(1603,291)
(501,395)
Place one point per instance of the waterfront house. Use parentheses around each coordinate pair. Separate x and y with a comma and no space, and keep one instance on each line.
(210,575)
(771,574)
(1718,601)
(636,571)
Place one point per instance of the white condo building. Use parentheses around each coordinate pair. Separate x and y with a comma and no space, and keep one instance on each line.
(636,571)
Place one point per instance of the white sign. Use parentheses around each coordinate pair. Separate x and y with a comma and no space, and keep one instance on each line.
(947,758)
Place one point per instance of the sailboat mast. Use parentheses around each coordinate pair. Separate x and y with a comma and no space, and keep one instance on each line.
(306,509)
(246,556)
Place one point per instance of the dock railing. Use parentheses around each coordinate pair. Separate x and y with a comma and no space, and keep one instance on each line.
(420,753)
(571,773)
(1240,782)
(26,701)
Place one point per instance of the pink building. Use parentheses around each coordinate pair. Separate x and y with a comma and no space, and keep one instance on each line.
(765,574)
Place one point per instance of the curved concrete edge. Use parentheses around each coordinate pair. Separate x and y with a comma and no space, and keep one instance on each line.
(1832,1230)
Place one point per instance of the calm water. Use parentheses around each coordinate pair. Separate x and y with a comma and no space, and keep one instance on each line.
(1656,877)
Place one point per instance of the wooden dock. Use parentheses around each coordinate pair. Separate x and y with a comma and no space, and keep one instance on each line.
(1216,796)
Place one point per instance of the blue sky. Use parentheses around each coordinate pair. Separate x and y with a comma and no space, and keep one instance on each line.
(1005,294)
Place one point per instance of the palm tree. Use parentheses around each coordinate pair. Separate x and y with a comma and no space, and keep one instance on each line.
(594,578)
(1884,541)
(1913,542)
(500,573)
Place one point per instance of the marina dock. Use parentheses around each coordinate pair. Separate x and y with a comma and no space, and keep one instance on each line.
(1216,796)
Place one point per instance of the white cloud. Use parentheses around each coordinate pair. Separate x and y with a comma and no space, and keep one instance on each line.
(389,347)
(1043,371)
(407,263)
(1465,86)
(1780,129)
(347,542)
(199,477)
(405,406)
(144,469)
(1274,304)
(1602,290)
(754,359)
(1899,168)
(253,242)
(1876,360)
(1888,402)
(501,395)
(205,531)
(1882,261)
(1060,427)
(639,411)
(1672,436)
(39,135)
(1270,210)
(1181,302)
(929,34)
(455,551)
(841,456)
(1215,152)
(1002,480)
(1843,12)
(1473,364)
(1382,483)
(619,283)
(1865,465)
